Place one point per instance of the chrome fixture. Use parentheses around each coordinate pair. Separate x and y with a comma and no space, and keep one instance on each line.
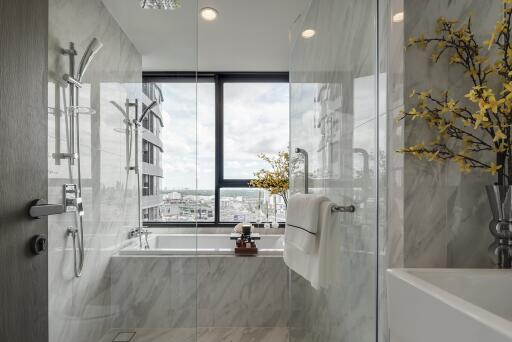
(500,200)
(154,103)
(306,168)
(74,80)
(135,232)
(94,46)
(336,208)
(127,130)
(343,209)
(160,4)
(40,208)
(136,124)
(71,203)
(72,200)
(70,79)
(77,242)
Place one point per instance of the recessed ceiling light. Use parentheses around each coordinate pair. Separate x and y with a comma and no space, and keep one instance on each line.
(398,17)
(209,13)
(309,33)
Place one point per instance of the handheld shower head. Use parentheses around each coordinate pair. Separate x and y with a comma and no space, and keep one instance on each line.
(94,46)
(148,108)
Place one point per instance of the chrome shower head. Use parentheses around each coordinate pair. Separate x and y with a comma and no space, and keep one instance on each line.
(88,56)
(161,4)
(148,108)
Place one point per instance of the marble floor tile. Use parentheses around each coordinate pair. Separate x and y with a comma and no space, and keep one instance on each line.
(243,334)
(155,335)
(224,334)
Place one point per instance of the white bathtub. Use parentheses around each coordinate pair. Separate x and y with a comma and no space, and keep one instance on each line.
(203,244)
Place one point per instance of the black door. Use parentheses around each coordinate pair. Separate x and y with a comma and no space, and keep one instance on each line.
(23,168)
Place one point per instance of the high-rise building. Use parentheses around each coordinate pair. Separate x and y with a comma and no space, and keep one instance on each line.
(151,153)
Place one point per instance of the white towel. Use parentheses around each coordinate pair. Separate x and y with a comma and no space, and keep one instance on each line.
(316,267)
(302,221)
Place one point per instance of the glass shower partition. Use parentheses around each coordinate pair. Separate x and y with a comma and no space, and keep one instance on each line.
(334,96)
(125,292)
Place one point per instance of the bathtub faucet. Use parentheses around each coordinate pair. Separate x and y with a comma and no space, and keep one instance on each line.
(134,232)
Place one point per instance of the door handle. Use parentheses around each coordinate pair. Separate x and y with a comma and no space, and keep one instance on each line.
(40,208)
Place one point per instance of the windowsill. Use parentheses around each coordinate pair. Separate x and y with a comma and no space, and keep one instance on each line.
(202,225)
(210,230)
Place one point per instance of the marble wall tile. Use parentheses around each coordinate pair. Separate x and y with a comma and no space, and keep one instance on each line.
(334,116)
(222,292)
(267,292)
(80,307)
(183,297)
(140,292)
(445,212)
(205,291)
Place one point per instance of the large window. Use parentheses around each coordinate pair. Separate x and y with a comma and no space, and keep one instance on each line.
(214,130)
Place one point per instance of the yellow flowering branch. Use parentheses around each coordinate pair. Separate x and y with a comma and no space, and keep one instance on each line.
(480,125)
(275,180)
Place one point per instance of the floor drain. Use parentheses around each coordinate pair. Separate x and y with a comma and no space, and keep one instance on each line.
(124,337)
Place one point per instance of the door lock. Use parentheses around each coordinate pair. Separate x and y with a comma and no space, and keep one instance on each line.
(39,244)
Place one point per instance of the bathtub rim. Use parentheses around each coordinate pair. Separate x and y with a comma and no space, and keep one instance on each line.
(132,249)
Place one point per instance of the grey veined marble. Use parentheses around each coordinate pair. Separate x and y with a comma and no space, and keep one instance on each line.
(335,117)
(208,291)
(446,213)
(79,308)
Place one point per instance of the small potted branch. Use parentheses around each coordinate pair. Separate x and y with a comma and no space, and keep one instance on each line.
(275,180)
(475,132)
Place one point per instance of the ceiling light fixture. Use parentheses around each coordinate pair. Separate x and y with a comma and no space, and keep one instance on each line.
(398,17)
(209,14)
(308,33)
(161,4)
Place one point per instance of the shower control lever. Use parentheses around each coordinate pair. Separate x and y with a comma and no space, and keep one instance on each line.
(72,200)
(72,203)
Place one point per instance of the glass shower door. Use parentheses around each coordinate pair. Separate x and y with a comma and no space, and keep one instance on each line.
(334,85)
(125,292)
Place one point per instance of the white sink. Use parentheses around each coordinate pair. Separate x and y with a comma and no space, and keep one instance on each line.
(437,305)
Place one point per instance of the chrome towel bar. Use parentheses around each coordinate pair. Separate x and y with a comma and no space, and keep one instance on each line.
(343,209)
(334,209)
(306,168)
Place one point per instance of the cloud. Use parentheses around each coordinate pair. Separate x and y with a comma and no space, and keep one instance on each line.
(255,121)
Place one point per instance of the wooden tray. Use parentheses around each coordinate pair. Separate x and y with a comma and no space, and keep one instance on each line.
(246,250)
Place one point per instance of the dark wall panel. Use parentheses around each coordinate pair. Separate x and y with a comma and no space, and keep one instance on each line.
(23,168)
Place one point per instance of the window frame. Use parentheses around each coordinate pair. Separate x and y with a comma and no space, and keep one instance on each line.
(219,79)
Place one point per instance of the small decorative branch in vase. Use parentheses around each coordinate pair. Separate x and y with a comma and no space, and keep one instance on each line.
(274,180)
(475,131)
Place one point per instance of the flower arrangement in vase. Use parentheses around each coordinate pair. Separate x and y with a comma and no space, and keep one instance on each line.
(475,131)
(275,180)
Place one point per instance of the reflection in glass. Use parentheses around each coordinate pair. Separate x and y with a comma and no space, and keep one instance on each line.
(250,205)
(188,140)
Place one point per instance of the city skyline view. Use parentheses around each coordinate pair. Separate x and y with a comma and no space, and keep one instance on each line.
(255,121)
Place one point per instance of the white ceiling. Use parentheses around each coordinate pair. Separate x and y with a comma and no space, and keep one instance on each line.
(248,35)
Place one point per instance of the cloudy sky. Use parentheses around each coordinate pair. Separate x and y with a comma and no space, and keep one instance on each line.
(255,121)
